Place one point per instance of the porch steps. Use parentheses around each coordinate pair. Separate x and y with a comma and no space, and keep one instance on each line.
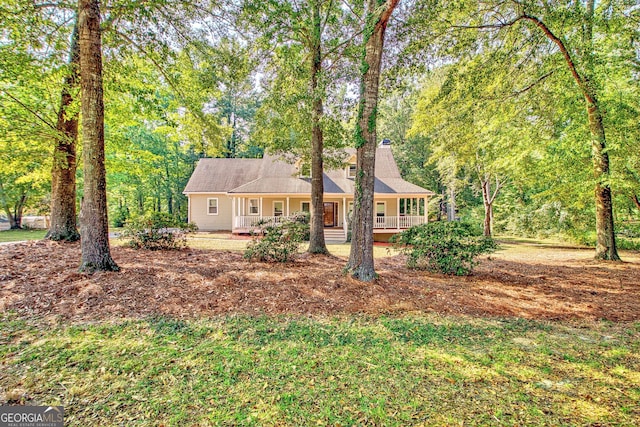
(334,235)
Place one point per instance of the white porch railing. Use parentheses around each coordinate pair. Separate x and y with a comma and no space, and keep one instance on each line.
(379,222)
(253,220)
(397,222)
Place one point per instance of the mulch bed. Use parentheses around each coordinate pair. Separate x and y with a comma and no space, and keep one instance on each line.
(40,280)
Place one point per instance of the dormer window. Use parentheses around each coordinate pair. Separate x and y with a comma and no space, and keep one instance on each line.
(351,172)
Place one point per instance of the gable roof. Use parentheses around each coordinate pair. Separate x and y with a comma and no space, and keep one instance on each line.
(271,175)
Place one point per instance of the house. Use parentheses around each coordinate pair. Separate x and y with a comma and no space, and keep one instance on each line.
(234,194)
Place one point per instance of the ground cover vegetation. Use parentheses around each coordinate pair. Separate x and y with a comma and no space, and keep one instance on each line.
(392,371)
(538,335)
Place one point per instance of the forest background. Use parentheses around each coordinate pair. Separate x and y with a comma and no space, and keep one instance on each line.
(476,97)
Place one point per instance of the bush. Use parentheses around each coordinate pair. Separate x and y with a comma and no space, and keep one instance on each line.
(157,231)
(443,247)
(281,241)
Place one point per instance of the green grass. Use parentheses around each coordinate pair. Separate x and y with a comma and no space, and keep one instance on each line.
(221,241)
(19,235)
(318,371)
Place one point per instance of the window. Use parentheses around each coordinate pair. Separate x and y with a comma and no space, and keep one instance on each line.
(253,207)
(352,171)
(212,206)
(278,208)
(305,206)
(381,207)
(412,206)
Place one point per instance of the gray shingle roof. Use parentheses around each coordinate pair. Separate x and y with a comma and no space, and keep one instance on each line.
(271,175)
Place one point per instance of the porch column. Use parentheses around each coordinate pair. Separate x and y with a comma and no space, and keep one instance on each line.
(188,208)
(344,213)
(233,212)
(426,210)
(260,209)
(287,206)
(398,212)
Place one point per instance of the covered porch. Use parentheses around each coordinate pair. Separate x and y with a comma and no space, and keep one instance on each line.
(391,214)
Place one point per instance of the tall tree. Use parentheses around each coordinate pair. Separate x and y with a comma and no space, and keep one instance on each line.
(316,31)
(588,86)
(63,172)
(361,264)
(565,34)
(94,224)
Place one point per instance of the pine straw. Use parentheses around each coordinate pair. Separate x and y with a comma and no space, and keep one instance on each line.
(40,280)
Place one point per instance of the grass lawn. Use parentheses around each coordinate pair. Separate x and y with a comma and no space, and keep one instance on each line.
(427,370)
(221,241)
(19,235)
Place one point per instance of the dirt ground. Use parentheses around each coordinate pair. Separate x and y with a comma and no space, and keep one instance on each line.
(40,280)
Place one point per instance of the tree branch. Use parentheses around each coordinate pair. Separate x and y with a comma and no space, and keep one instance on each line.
(565,53)
(17,101)
(635,199)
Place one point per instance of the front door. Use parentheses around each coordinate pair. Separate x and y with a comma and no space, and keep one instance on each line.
(329,214)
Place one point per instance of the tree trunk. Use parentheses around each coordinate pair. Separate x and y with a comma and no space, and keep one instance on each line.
(140,199)
(606,239)
(94,226)
(361,264)
(451,206)
(317,243)
(14,223)
(15,214)
(63,171)
(636,201)
(605,235)
(488,207)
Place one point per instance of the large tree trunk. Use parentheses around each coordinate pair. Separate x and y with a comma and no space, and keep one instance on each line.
(63,171)
(361,265)
(605,235)
(317,243)
(94,226)
(606,239)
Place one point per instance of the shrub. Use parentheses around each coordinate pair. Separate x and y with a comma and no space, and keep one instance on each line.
(157,231)
(281,241)
(443,247)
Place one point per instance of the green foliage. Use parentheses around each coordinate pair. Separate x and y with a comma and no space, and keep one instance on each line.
(443,247)
(157,231)
(121,216)
(280,241)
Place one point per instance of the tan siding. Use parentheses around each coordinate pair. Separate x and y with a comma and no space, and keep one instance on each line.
(206,222)
(392,205)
